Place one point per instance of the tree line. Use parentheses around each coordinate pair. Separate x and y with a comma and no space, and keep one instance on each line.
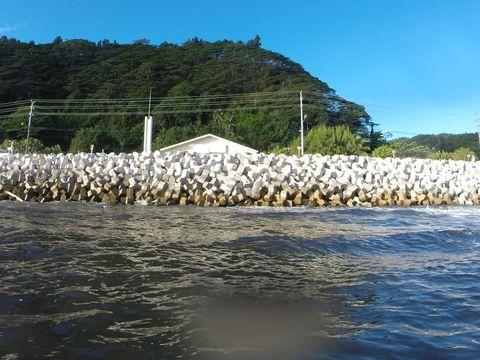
(81,69)
(442,146)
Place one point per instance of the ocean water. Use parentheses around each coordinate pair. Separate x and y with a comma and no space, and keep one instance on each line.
(83,281)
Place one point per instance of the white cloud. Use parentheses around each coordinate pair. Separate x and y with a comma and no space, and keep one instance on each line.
(10,28)
(5,29)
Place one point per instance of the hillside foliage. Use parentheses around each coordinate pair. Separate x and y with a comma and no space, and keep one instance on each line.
(80,69)
(437,147)
(449,142)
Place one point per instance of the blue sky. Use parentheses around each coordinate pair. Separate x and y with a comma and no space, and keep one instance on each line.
(414,65)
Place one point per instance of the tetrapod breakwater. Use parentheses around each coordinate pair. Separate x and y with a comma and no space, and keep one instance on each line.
(234,179)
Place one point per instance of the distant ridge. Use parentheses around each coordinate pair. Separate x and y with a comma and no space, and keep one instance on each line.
(446,142)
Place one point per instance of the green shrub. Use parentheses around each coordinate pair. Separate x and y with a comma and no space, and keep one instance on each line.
(34,146)
(83,139)
(384,151)
(462,153)
(286,150)
(55,149)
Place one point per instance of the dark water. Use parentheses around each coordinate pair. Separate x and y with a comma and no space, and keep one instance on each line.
(87,282)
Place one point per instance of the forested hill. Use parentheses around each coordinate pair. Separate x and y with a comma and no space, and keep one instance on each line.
(80,69)
(448,142)
(440,142)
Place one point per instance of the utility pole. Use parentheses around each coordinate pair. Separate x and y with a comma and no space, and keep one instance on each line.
(477,118)
(301,124)
(147,130)
(149,102)
(478,128)
(30,115)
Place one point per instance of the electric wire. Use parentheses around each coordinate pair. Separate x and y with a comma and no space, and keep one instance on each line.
(213,96)
(14,103)
(191,111)
(40,128)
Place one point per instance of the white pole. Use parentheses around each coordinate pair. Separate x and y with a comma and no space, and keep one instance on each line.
(30,115)
(150,125)
(149,102)
(147,134)
(147,130)
(301,124)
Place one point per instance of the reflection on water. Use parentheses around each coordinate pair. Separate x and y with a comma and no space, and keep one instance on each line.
(85,281)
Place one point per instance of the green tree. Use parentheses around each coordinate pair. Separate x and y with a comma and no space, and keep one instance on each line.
(97,136)
(223,125)
(83,139)
(256,42)
(404,148)
(375,138)
(333,140)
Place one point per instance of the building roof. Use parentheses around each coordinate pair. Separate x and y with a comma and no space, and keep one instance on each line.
(211,136)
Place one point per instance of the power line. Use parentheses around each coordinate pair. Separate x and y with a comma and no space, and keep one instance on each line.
(38,128)
(191,111)
(401,132)
(213,96)
(96,112)
(162,105)
(168,105)
(108,107)
(14,103)
(13,116)
(389,108)
(174,105)
(182,102)
(164,102)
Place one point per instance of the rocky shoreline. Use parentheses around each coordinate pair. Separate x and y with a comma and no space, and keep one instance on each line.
(231,180)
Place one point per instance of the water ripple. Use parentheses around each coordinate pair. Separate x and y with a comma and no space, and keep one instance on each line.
(87,281)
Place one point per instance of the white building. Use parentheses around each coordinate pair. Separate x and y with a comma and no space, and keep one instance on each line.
(210,144)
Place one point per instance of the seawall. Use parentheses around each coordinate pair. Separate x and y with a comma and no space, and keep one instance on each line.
(228,180)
